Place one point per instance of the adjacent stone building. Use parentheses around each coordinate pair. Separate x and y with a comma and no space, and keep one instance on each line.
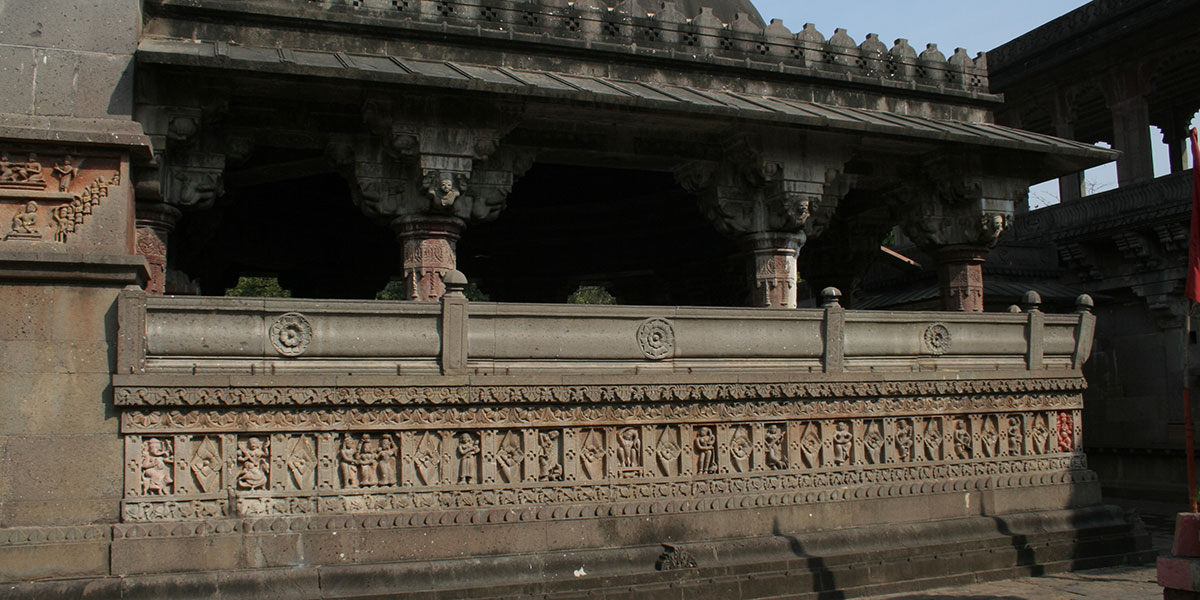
(708,434)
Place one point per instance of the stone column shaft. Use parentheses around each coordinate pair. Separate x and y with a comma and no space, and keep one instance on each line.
(429,244)
(155,222)
(1131,135)
(775,270)
(960,278)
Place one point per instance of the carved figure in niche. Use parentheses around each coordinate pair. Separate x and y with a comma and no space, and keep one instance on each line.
(65,172)
(28,172)
(842,441)
(468,458)
(1041,435)
(629,448)
(348,454)
(989,437)
(8,170)
(253,457)
(904,440)
(508,458)
(1015,438)
(774,440)
(592,455)
(444,194)
(368,461)
(933,441)
(548,467)
(740,449)
(706,443)
(25,222)
(962,440)
(156,475)
(387,460)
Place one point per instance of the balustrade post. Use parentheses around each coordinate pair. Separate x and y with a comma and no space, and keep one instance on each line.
(834,330)
(1086,331)
(454,324)
(1034,357)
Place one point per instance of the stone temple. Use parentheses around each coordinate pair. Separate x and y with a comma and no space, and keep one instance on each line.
(705,438)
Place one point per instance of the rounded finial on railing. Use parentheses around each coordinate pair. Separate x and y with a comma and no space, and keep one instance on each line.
(1031,301)
(455,282)
(1084,304)
(831,297)
(1013,308)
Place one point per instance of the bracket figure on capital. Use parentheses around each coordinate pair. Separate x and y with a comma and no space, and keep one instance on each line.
(771,196)
(956,213)
(427,179)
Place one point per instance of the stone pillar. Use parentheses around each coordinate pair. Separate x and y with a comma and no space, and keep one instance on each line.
(960,277)
(155,222)
(775,268)
(429,244)
(1062,111)
(1125,93)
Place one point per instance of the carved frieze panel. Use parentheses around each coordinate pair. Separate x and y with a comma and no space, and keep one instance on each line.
(48,198)
(198,463)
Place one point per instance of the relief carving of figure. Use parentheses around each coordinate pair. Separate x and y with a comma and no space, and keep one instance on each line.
(962,440)
(65,172)
(706,443)
(468,458)
(8,169)
(33,170)
(368,461)
(253,460)
(842,440)
(1016,439)
(548,467)
(774,440)
(989,437)
(904,440)
(25,222)
(444,193)
(156,474)
(387,460)
(28,172)
(628,448)
(592,455)
(349,461)
(1041,435)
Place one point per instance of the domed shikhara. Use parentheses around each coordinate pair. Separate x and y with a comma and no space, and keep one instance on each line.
(726,10)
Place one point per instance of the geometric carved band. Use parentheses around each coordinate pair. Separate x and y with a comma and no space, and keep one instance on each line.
(231,396)
(141,520)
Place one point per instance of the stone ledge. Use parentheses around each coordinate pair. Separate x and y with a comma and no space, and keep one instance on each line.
(123,133)
(73,267)
(854,561)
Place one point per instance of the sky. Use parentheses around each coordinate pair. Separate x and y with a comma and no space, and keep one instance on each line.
(976,26)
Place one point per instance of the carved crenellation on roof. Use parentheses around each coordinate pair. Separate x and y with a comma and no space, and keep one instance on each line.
(662,25)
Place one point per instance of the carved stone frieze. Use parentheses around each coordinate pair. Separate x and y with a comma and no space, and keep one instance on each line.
(48,198)
(460,469)
(150,396)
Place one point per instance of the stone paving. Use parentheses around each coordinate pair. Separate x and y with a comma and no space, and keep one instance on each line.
(1134,582)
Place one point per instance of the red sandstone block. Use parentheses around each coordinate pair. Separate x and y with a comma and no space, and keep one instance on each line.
(1187,535)
(1179,573)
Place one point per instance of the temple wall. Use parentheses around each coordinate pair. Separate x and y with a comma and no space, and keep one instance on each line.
(66,222)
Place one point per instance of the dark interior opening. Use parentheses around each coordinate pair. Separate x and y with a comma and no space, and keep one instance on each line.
(635,233)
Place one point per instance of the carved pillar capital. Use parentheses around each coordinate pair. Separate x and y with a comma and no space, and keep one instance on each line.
(773,196)
(194,181)
(429,244)
(956,214)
